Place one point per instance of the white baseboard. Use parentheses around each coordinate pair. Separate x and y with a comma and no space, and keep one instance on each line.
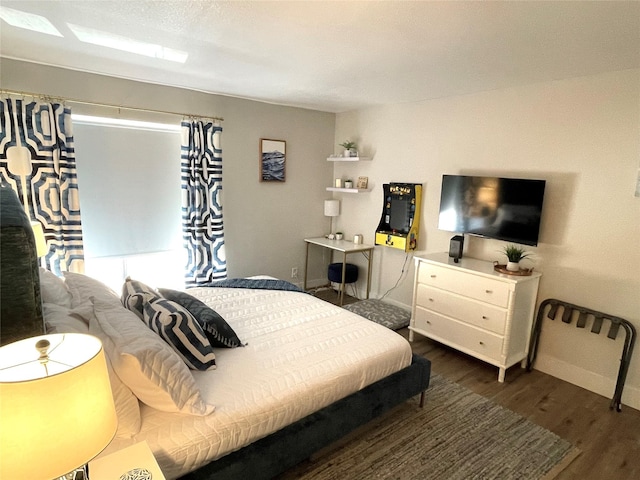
(589,380)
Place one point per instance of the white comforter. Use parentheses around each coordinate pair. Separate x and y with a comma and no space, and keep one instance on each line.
(302,354)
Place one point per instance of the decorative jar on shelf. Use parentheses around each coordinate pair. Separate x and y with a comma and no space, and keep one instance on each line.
(348,184)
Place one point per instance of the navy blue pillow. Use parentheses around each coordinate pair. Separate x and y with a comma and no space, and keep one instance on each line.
(218,331)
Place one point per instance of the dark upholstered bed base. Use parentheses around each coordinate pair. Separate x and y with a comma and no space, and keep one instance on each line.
(20,301)
(285,448)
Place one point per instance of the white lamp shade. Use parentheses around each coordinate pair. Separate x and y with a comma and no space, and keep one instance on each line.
(332,208)
(38,235)
(53,420)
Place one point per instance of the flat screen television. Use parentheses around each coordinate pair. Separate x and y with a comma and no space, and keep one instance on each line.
(501,208)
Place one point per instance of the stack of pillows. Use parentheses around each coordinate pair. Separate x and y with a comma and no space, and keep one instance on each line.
(150,343)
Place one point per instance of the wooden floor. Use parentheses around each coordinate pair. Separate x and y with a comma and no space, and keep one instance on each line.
(609,440)
(333,296)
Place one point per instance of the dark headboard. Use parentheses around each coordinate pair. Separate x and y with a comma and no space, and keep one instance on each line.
(20,300)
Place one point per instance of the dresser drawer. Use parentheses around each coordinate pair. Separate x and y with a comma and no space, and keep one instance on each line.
(483,315)
(458,335)
(474,286)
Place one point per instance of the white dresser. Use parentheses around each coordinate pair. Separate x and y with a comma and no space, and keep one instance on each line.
(472,308)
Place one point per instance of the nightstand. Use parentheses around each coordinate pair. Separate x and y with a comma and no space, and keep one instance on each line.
(116,464)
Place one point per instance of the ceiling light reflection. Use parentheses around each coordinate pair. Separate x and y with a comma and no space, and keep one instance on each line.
(28,21)
(110,40)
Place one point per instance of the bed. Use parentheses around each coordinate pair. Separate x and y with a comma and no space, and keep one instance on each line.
(305,373)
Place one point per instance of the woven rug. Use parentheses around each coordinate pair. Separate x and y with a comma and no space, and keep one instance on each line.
(457,435)
(390,316)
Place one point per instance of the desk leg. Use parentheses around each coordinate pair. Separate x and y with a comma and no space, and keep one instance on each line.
(344,277)
(369,272)
(306,268)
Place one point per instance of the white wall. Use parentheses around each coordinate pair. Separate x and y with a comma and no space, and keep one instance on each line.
(582,136)
(265,223)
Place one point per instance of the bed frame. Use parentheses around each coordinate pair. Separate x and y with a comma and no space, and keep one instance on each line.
(263,459)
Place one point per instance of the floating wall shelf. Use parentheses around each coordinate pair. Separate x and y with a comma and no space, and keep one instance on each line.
(348,159)
(348,190)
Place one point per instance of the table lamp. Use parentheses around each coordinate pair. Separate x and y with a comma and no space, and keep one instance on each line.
(331,209)
(56,405)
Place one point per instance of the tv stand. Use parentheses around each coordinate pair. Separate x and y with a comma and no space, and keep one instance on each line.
(465,304)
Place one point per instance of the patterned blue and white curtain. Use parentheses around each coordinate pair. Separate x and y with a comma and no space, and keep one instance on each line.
(37,160)
(202,227)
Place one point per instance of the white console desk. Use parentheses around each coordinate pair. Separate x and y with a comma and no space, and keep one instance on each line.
(346,248)
(472,308)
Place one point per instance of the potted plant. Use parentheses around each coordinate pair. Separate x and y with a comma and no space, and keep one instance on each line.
(514,255)
(339,235)
(349,148)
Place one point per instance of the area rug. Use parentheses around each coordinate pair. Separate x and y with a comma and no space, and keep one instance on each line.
(457,435)
(390,316)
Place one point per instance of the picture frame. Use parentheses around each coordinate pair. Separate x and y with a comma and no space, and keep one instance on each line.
(363,183)
(272,160)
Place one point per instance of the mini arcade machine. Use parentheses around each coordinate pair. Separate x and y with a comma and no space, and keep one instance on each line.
(400,221)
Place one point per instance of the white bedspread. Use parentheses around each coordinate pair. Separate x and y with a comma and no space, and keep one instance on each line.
(302,355)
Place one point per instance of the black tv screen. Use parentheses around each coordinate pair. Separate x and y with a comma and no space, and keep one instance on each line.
(502,208)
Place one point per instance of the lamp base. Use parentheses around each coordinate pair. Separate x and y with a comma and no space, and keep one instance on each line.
(80,473)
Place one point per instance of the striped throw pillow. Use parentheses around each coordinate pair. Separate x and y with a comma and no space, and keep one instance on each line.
(135,294)
(176,326)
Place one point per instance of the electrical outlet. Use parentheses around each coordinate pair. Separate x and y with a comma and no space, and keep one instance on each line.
(294,272)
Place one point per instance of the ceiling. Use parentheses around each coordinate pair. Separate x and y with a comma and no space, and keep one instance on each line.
(341,55)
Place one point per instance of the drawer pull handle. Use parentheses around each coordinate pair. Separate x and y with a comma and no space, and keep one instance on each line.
(431,299)
(481,343)
(433,276)
(489,291)
(428,322)
(484,317)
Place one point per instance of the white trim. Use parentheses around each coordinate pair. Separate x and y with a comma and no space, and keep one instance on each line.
(588,380)
(119,122)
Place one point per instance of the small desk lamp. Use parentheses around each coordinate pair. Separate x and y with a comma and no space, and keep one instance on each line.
(331,209)
(56,405)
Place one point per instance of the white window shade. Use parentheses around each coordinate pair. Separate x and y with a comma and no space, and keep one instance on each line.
(129,183)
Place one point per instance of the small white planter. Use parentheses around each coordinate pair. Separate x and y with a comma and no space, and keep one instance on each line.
(513,266)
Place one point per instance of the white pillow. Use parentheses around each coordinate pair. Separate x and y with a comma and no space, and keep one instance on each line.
(84,288)
(59,319)
(127,405)
(145,363)
(53,289)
